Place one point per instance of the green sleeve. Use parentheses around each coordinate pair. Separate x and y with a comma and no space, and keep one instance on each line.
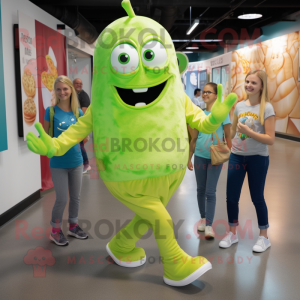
(197,119)
(74,134)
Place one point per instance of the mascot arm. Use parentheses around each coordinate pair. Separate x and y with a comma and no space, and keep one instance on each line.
(45,145)
(196,118)
(74,134)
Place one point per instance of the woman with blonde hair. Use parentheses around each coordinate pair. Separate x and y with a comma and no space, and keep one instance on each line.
(66,170)
(253,129)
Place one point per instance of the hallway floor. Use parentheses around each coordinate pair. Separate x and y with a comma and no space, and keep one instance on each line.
(82,270)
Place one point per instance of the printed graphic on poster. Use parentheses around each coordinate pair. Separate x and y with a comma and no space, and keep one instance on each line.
(51,62)
(191,82)
(30,102)
(3,132)
(279,57)
(298,65)
(43,58)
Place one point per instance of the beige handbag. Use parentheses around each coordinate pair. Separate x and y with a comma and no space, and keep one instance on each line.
(219,153)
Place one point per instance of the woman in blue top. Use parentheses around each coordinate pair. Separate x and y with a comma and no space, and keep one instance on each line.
(207,175)
(66,170)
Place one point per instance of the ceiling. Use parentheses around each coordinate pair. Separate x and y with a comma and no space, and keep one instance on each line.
(176,15)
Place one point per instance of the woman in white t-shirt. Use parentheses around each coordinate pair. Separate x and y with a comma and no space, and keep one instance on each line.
(253,129)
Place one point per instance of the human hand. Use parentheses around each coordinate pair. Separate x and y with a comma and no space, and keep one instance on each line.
(43,145)
(243,128)
(190,165)
(220,110)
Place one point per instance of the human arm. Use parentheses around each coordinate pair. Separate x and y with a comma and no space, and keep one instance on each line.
(227,133)
(84,100)
(194,135)
(266,138)
(45,145)
(234,126)
(197,119)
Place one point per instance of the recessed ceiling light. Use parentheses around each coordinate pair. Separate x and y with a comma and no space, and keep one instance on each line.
(187,51)
(191,48)
(250,16)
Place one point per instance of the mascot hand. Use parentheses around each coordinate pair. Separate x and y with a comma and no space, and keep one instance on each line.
(220,110)
(43,145)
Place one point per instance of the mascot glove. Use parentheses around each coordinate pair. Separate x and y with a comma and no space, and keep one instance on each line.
(220,110)
(43,145)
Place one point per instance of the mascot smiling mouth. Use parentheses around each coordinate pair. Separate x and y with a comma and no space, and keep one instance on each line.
(140,97)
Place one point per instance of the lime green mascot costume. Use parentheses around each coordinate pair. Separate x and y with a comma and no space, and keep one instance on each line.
(138,116)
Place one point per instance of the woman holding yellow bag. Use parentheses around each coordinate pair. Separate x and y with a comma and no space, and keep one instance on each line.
(207,175)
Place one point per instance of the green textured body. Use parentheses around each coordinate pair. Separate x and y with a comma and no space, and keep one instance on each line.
(116,123)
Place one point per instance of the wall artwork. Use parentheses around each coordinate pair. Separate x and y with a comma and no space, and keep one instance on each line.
(279,57)
(42,60)
(3,131)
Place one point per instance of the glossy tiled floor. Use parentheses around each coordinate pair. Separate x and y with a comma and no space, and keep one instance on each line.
(81,271)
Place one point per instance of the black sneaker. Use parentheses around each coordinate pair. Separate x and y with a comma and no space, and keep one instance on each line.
(58,238)
(78,233)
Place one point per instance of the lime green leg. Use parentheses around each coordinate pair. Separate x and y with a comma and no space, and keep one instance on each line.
(178,265)
(123,243)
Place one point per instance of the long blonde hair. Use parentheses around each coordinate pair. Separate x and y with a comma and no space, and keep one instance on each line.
(264,97)
(74,99)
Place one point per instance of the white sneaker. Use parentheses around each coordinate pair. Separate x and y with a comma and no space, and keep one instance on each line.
(202,225)
(262,244)
(209,233)
(228,240)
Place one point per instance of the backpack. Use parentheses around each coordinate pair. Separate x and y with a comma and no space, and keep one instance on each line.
(52,112)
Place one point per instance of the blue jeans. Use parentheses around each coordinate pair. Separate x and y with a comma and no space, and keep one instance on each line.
(84,155)
(207,177)
(256,167)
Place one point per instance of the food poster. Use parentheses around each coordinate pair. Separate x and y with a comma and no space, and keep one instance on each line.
(51,62)
(279,57)
(191,81)
(30,102)
(3,132)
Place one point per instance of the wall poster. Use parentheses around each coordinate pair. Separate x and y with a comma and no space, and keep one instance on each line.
(191,81)
(279,57)
(42,59)
(3,131)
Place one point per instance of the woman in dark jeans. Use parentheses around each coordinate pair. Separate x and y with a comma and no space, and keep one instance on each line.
(253,129)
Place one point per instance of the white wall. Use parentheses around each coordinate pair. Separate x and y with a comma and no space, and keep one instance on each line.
(19,168)
(81,69)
